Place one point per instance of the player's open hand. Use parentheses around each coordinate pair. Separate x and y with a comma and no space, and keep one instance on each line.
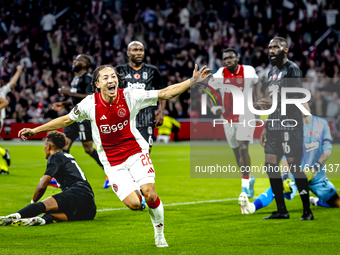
(57,106)
(25,132)
(202,74)
(263,138)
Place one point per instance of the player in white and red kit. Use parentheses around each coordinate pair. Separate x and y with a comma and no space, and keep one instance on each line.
(121,148)
(239,134)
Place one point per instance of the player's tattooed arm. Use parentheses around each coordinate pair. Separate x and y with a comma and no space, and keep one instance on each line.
(55,124)
(41,188)
(177,89)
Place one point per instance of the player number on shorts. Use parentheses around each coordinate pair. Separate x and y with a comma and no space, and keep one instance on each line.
(286,147)
(145,159)
(80,171)
(82,135)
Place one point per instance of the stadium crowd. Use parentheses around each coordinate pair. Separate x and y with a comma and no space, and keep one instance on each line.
(176,35)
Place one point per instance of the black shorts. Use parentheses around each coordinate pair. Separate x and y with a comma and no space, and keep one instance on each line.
(281,142)
(81,130)
(147,133)
(77,202)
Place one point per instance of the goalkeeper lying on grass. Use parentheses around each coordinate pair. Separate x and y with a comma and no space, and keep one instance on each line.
(317,148)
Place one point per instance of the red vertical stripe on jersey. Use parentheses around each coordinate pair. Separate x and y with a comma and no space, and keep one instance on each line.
(236,79)
(113,122)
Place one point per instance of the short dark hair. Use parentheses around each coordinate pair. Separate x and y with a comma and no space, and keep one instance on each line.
(86,59)
(231,50)
(281,39)
(57,138)
(95,76)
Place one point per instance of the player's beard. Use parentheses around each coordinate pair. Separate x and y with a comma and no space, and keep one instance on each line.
(137,62)
(278,58)
(76,69)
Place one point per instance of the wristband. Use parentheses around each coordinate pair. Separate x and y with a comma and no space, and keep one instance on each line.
(32,202)
(317,166)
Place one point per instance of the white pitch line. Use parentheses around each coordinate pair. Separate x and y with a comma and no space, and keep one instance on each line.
(174,204)
(184,203)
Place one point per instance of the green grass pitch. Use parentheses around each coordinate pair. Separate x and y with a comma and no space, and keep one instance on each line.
(215,226)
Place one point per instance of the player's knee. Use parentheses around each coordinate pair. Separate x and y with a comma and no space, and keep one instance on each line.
(134,205)
(150,196)
(243,148)
(88,150)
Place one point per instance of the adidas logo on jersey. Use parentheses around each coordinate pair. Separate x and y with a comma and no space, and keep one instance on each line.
(103,118)
(128,76)
(151,170)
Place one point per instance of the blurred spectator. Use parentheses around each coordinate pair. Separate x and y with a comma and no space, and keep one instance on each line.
(176,35)
(333,105)
(48,21)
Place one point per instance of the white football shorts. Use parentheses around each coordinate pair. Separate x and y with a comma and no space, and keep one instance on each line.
(238,132)
(128,176)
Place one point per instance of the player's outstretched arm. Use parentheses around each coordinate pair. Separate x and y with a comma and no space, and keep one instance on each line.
(66,91)
(3,103)
(176,89)
(59,105)
(16,76)
(50,126)
(41,188)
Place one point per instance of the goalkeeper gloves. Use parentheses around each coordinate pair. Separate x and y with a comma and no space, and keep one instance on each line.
(287,185)
(310,172)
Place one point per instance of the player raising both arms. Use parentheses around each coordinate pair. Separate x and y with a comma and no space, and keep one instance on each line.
(238,135)
(5,159)
(75,202)
(279,140)
(138,75)
(80,88)
(317,149)
(122,149)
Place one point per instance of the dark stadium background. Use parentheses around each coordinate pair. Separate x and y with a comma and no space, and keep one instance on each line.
(176,35)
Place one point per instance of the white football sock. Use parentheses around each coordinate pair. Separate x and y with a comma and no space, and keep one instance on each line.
(157,218)
(245,183)
(252,208)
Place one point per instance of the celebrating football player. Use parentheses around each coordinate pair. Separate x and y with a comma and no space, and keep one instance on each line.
(122,150)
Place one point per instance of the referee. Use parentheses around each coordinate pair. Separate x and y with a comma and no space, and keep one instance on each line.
(279,140)
(139,75)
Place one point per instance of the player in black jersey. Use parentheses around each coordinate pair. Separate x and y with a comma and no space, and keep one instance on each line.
(139,75)
(75,202)
(283,134)
(79,89)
